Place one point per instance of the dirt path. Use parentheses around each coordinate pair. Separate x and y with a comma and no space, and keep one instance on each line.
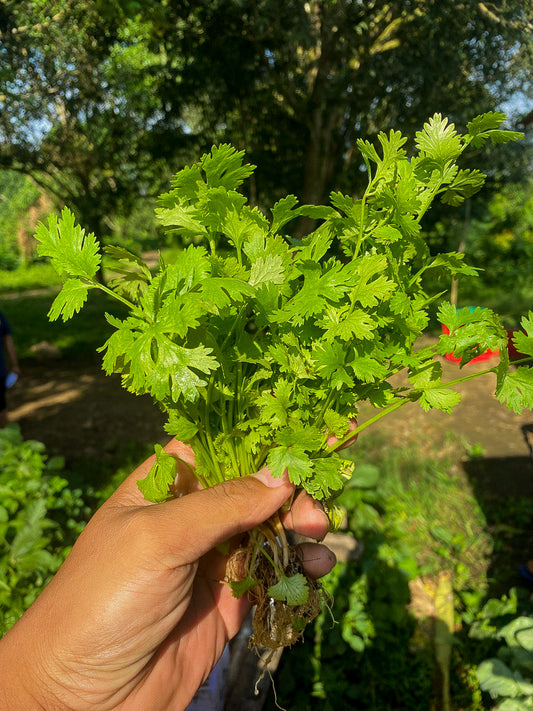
(79,412)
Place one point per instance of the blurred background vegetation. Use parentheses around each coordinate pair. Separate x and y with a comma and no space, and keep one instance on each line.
(101,102)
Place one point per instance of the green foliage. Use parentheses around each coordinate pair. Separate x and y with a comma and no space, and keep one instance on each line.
(508,675)
(291,589)
(17,194)
(256,343)
(140,86)
(108,123)
(157,488)
(407,513)
(29,277)
(412,516)
(501,236)
(40,517)
(77,338)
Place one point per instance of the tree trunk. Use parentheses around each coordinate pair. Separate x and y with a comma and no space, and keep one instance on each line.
(322,159)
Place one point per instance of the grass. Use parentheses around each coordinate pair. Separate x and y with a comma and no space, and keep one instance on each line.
(25,278)
(77,338)
(428,504)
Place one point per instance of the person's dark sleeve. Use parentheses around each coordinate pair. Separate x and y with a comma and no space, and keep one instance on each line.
(5,328)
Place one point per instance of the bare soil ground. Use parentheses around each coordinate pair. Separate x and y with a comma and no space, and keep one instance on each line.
(79,412)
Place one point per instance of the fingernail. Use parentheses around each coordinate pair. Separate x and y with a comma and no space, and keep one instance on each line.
(265,477)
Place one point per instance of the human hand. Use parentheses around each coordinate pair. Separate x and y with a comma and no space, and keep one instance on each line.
(137,616)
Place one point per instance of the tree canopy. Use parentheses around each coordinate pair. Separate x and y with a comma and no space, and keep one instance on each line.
(100,101)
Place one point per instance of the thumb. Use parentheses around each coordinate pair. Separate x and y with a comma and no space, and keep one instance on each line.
(191,526)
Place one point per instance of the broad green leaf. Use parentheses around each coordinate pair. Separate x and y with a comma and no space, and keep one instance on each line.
(523,341)
(156,485)
(220,292)
(454,263)
(523,704)
(516,389)
(224,167)
(439,140)
(330,475)
(240,587)
(518,633)
(124,256)
(307,438)
(180,427)
(465,184)
(283,212)
(368,369)
(329,359)
(486,127)
(336,423)
(183,217)
(485,122)
(294,459)
(290,589)
(437,398)
(267,269)
(498,680)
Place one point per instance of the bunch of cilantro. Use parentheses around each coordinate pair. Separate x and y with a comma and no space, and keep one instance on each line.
(258,346)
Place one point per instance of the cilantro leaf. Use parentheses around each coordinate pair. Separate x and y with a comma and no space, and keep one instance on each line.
(523,340)
(72,251)
(223,167)
(440,398)
(240,587)
(69,300)
(294,459)
(515,389)
(487,126)
(439,140)
(156,485)
(290,589)
(259,346)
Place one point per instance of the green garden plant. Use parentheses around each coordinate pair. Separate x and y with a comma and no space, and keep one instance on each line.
(260,347)
(40,517)
(508,675)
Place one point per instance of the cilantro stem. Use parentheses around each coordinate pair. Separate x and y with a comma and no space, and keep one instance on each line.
(324,408)
(116,296)
(367,423)
(271,561)
(405,400)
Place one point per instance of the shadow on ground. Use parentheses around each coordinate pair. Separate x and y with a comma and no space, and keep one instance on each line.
(503,487)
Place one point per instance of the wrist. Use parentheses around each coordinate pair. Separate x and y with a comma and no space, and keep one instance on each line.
(26,686)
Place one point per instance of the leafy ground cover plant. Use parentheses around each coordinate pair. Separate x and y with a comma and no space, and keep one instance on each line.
(507,676)
(40,517)
(260,347)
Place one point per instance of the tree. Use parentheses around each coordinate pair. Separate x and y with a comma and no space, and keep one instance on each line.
(80,107)
(101,100)
(317,74)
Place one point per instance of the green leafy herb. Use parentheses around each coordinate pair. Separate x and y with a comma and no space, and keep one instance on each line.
(258,346)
